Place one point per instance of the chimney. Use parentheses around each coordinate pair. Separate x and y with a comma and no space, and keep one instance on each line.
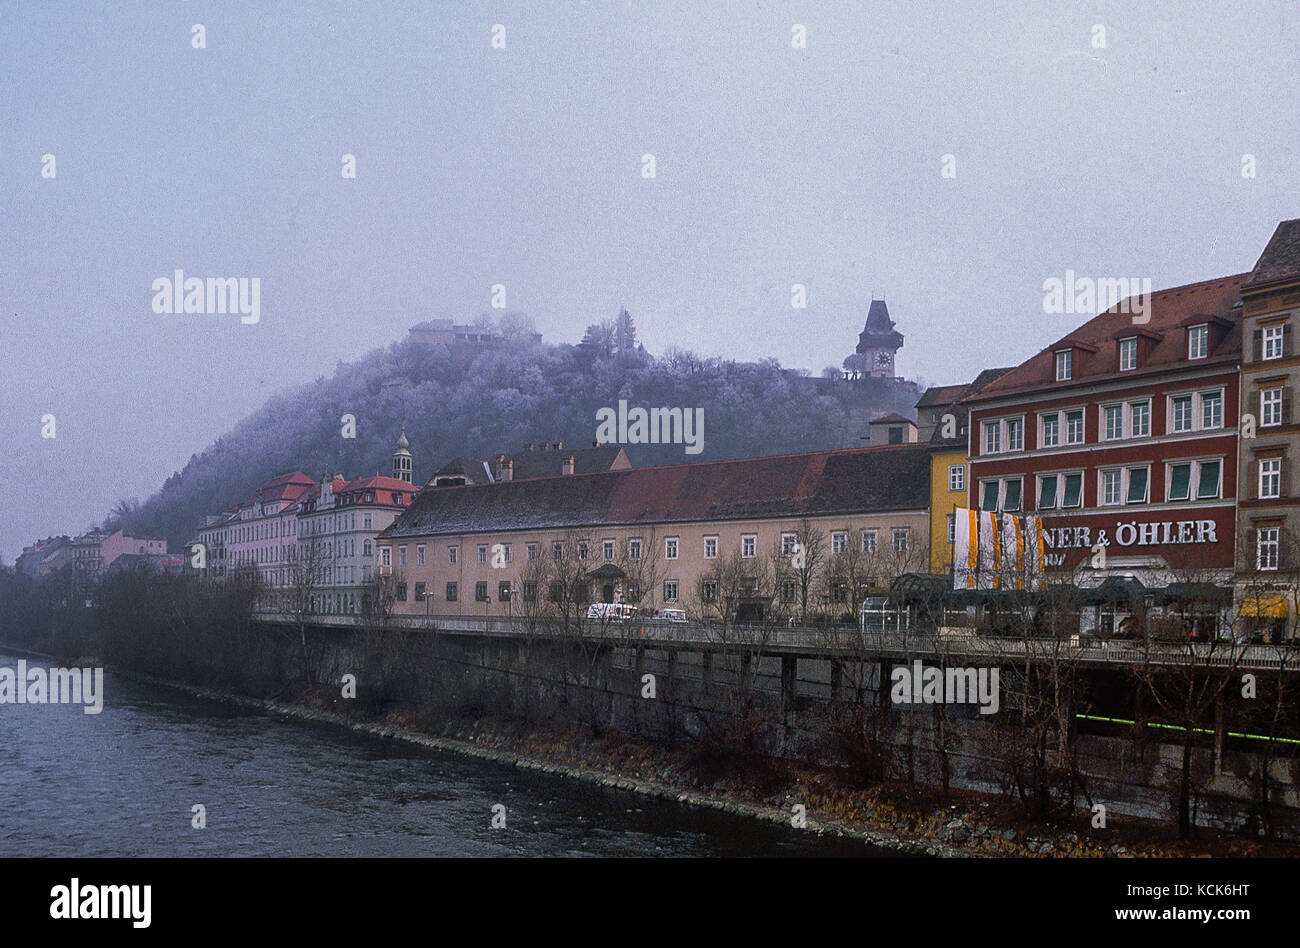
(568,464)
(557,445)
(505,468)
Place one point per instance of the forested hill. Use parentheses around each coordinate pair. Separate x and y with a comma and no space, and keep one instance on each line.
(481,401)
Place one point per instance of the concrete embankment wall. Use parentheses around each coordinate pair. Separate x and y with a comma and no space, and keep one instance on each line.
(758,705)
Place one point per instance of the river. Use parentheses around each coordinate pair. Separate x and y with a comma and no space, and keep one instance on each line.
(123,783)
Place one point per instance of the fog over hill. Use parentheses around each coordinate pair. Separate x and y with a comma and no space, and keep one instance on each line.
(478,400)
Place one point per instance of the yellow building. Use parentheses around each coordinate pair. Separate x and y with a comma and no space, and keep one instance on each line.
(948,469)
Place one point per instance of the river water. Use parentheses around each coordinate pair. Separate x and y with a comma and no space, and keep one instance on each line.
(123,783)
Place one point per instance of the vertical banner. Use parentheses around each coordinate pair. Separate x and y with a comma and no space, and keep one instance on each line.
(965,548)
(997,550)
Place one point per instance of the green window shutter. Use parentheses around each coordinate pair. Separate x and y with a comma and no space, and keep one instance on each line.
(1013,495)
(1209,485)
(1073,488)
(1137,485)
(1047,493)
(1181,480)
(990,501)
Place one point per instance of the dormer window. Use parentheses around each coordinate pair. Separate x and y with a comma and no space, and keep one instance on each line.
(1128,354)
(1198,341)
(1065,365)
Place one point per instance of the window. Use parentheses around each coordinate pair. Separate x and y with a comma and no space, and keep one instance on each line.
(670,548)
(367,549)
(670,590)
(1060,490)
(900,539)
(788,590)
(1139,419)
(1114,415)
(1212,410)
(482,553)
(401,556)
(710,548)
(992,437)
(451,592)
(451,555)
(557,551)
(607,548)
(956,477)
(530,551)
(1208,483)
(1015,434)
(868,541)
(709,590)
(1273,336)
(365,521)
(1110,484)
(556,591)
(419,592)
(530,591)
(1270,477)
(385,556)
(788,541)
(1051,437)
(401,592)
(748,544)
(1270,406)
(952,528)
(1005,434)
(1064,365)
(507,555)
(582,549)
(1266,548)
(1198,342)
(1128,354)
(480,592)
(1206,475)
(1204,407)
(839,542)
(503,591)
(419,555)
(839,591)
(1001,493)
(1074,426)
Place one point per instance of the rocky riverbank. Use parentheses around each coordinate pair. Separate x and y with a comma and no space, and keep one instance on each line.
(909,820)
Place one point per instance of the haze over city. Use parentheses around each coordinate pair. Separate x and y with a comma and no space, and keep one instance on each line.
(522,167)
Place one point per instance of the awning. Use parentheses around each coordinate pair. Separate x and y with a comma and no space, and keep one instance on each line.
(1264,607)
(1115,589)
(1196,593)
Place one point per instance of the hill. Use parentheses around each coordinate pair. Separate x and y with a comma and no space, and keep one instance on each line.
(477,400)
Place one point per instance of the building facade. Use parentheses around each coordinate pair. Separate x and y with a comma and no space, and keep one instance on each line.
(740,539)
(1269,498)
(1122,437)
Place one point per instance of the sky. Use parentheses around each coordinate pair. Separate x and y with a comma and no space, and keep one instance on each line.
(774,164)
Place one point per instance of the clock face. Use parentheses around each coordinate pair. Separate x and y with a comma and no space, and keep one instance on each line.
(883,358)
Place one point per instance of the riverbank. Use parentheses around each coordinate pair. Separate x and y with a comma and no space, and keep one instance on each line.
(909,820)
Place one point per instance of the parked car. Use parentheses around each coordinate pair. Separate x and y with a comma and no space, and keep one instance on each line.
(610,611)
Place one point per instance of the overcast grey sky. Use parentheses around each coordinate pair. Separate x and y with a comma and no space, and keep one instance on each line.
(522,166)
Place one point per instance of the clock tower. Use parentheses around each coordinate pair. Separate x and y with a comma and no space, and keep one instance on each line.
(878,343)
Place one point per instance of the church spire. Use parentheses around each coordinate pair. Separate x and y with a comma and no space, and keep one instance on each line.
(402,459)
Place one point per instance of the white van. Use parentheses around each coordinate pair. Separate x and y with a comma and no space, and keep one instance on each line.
(673,615)
(610,611)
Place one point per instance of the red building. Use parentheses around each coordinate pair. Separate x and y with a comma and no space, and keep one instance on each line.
(1124,434)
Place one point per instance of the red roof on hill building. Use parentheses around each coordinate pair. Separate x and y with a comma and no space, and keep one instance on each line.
(1096,342)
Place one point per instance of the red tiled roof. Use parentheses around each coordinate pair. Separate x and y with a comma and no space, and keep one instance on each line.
(855,480)
(1170,311)
(1280,261)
